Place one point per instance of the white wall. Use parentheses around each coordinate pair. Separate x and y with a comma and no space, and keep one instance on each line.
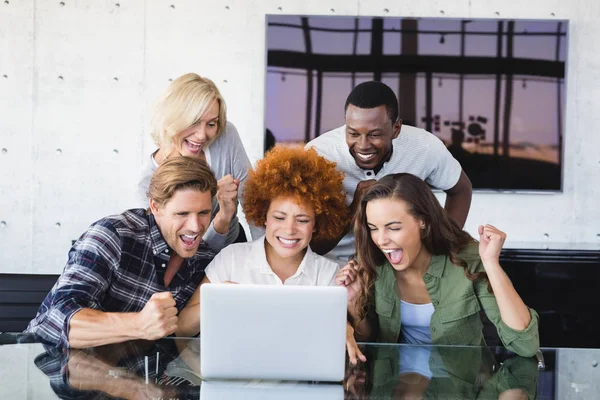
(77,82)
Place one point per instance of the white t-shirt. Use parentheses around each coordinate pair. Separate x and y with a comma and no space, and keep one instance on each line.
(415,151)
(246,263)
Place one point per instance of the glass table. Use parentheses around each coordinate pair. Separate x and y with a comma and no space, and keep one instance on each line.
(169,369)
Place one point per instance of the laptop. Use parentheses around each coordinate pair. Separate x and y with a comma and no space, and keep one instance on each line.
(273,332)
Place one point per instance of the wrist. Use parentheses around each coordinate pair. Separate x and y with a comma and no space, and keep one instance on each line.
(492,262)
(221,223)
(129,325)
(353,310)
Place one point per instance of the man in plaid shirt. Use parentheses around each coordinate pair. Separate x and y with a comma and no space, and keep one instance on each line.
(129,275)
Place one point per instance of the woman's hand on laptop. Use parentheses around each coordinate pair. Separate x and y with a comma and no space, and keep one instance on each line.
(354,353)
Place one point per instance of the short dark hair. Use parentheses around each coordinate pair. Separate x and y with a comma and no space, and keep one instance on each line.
(374,94)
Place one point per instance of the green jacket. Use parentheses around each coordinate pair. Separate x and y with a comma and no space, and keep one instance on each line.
(457,302)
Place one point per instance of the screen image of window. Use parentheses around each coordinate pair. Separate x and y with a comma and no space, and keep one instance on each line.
(492,90)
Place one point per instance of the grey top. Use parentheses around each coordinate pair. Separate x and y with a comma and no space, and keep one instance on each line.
(226,155)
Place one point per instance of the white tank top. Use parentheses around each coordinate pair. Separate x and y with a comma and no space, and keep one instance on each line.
(415,320)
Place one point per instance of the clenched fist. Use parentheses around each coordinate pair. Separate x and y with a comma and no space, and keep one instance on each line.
(227,195)
(158,318)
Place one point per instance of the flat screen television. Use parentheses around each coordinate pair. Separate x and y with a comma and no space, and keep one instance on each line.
(493,90)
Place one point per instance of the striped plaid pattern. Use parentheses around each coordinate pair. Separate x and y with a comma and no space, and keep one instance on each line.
(116,266)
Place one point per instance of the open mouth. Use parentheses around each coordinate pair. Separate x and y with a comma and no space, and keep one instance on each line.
(365,156)
(394,255)
(190,241)
(193,147)
(288,243)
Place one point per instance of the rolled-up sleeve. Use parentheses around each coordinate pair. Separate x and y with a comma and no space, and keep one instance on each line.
(523,342)
(82,284)
(218,241)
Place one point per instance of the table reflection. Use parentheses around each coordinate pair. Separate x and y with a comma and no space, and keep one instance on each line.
(415,372)
(170,369)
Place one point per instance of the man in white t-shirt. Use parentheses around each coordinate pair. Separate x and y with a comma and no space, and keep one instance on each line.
(374,143)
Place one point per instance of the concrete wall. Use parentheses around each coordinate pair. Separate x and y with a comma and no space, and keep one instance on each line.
(78,78)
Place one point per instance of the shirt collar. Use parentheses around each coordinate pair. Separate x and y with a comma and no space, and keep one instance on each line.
(307,266)
(437,265)
(158,243)
(258,252)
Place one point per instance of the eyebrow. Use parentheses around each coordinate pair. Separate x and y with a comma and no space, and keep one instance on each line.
(297,215)
(196,122)
(393,222)
(388,224)
(192,212)
(371,131)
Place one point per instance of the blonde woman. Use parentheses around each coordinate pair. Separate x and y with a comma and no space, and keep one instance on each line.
(190,119)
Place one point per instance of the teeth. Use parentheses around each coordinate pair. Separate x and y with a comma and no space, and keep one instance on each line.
(365,156)
(388,251)
(288,241)
(190,237)
(193,144)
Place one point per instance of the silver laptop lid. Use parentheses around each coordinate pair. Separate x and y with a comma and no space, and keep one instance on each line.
(272,332)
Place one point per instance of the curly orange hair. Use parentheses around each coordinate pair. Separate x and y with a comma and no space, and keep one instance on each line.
(303,175)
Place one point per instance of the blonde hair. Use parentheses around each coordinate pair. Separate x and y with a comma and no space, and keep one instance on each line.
(179,173)
(182,105)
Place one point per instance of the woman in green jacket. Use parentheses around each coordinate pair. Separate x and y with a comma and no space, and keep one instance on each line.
(423,280)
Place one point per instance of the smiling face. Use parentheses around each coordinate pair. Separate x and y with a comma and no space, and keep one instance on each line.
(289,228)
(183,220)
(369,135)
(192,141)
(396,232)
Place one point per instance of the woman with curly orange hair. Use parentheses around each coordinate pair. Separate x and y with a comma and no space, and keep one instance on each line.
(296,195)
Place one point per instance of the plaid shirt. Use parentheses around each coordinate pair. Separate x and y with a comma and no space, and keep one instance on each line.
(116,266)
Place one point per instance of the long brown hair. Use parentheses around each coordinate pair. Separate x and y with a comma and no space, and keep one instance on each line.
(441,235)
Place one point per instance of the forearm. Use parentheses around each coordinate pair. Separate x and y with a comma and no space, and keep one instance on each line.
(222,222)
(218,241)
(457,206)
(189,321)
(323,246)
(115,387)
(91,328)
(458,200)
(362,328)
(513,311)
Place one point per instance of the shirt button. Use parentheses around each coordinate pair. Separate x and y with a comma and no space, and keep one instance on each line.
(433,329)
(427,278)
(163,265)
(369,173)
(167,250)
(435,302)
